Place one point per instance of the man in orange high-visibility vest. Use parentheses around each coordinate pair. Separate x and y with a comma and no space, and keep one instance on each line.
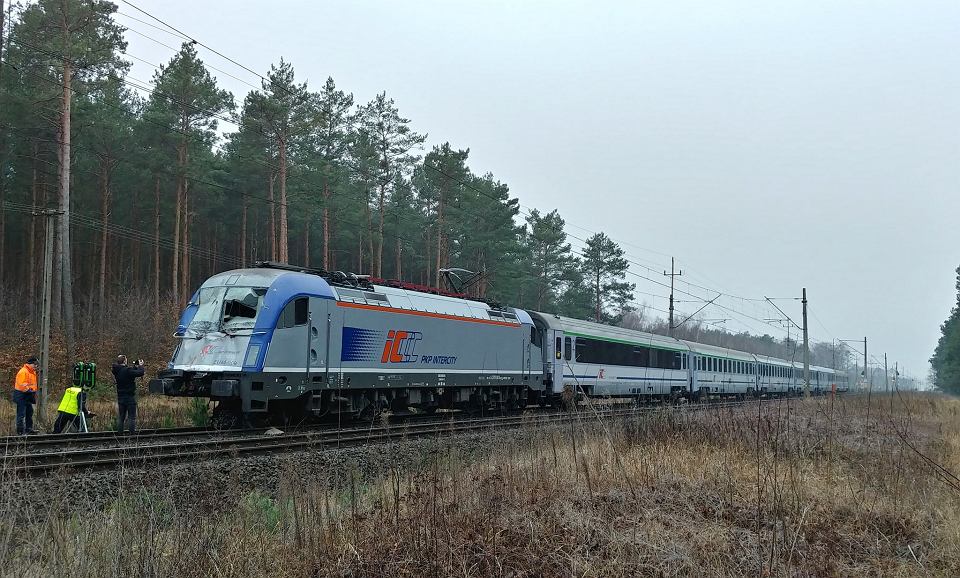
(25,395)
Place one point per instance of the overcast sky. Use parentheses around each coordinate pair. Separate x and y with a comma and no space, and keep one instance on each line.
(767,145)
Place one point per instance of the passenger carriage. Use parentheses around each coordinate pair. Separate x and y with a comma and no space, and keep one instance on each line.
(595,359)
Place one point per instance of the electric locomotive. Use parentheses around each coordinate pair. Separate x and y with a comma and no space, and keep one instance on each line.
(277,341)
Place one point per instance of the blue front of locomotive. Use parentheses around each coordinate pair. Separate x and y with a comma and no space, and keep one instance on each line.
(229,325)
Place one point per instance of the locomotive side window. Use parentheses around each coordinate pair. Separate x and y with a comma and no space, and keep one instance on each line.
(566,348)
(301,311)
(294,314)
(535,337)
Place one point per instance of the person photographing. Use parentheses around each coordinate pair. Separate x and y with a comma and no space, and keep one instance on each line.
(126,376)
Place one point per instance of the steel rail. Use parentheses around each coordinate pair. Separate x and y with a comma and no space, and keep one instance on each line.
(148,454)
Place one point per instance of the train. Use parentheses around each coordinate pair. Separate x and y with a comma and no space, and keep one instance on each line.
(281,343)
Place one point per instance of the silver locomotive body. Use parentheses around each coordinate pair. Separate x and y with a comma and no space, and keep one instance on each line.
(274,340)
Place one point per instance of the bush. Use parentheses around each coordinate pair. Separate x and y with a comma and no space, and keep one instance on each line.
(199,412)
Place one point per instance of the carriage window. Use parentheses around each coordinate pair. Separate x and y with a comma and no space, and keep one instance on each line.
(566,348)
(611,353)
(583,350)
(559,347)
(683,361)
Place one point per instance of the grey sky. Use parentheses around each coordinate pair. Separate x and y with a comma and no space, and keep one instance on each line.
(767,145)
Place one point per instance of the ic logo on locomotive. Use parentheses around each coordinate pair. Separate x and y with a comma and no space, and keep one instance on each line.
(401,347)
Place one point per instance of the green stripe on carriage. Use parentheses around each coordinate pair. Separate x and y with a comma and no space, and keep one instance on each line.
(614,340)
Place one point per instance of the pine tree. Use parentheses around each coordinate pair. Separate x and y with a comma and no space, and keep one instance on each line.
(945,362)
(392,143)
(439,183)
(331,143)
(283,111)
(603,267)
(550,256)
(185,102)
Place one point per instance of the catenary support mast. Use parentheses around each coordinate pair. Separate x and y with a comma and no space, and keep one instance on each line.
(806,349)
(672,274)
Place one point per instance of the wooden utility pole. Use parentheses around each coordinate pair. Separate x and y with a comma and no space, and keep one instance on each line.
(866,364)
(886,375)
(671,274)
(806,349)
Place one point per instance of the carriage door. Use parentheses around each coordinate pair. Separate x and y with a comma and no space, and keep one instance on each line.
(692,373)
(557,363)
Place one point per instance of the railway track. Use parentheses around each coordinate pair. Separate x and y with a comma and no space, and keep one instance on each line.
(165,446)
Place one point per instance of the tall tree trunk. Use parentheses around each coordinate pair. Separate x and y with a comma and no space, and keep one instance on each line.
(369,233)
(284,252)
(360,252)
(399,270)
(326,226)
(105,218)
(64,247)
(427,273)
(306,244)
(243,234)
(3,212)
(211,248)
(185,259)
(119,271)
(597,288)
(32,249)
(439,236)
(379,267)
(178,212)
(156,246)
(273,221)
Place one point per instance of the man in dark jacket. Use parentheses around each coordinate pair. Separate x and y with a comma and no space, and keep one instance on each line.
(127,392)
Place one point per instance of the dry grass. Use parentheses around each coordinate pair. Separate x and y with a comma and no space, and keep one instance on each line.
(787,489)
(153,411)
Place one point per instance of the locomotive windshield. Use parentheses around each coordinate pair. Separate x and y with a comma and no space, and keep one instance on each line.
(227,309)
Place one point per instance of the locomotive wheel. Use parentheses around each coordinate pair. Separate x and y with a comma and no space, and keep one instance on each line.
(226,416)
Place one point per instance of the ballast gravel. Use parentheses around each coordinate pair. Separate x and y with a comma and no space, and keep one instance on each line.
(220,483)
